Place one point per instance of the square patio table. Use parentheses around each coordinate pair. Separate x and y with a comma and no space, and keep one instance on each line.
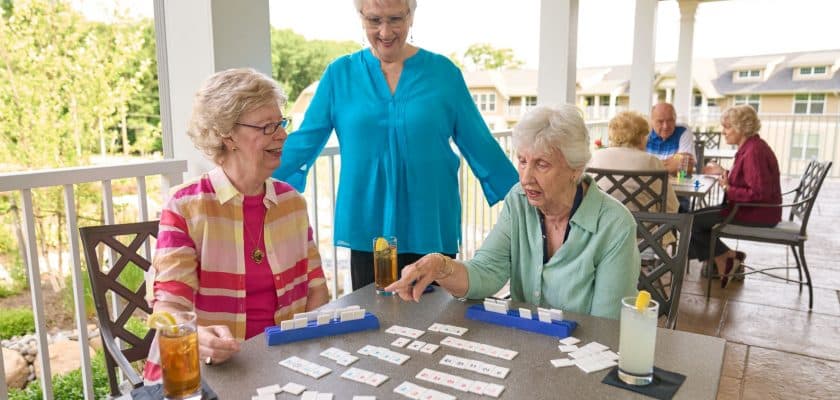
(698,194)
(531,375)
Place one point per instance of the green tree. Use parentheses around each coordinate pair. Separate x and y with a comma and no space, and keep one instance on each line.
(297,62)
(66,86)
(483,56)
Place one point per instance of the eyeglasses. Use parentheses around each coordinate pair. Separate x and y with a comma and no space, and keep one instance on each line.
(394,21)
(270,128)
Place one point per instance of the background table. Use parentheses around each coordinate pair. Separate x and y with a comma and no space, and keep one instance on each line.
(531,375)
(685,188)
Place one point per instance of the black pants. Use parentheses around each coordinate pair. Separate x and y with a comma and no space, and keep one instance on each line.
(361,266)
(701,233)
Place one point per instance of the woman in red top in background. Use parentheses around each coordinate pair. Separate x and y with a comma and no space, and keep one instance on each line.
(754,178)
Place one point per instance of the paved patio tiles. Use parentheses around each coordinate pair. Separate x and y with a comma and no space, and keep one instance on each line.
(699,316)
(734,359)
(792,331)
(772,374)
(729,389)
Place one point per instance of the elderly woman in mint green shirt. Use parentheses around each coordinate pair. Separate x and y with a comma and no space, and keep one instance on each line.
(560,240)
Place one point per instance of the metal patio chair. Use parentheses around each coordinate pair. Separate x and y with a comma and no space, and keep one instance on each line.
(104,280)
(792,233)
(645,191)
(664,267)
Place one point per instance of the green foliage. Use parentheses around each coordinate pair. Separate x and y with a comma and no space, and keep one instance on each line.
(297,62)
(136,326)
(69,386)
(16,322)
(67,295)
(483,56)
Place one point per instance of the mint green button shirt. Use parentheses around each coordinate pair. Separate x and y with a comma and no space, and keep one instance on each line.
(589,274)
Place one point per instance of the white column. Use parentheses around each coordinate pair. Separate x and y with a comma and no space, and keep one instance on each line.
(195,39)
(644,56)
(683,96)
(669,95)
(596,109)
(558,51)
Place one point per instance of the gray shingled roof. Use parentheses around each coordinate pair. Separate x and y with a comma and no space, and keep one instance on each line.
(781,77)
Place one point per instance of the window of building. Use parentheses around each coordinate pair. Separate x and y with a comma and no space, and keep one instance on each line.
(604,100)
(805,71)
(711,102)
(589,100)
(749,73)
(753,100)
(530,101)
(485,101)
(805,146)
(809,103)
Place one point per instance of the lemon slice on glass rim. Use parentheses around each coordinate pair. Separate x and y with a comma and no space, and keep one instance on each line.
(162,320)
(381,244)
(642,300)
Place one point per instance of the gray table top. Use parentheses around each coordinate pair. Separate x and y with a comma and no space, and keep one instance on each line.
(685,187)
(531,375)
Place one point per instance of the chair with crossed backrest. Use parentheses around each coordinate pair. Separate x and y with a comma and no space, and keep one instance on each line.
(710,139)
(637,190)
(792,233)
(664,275)
(104,280)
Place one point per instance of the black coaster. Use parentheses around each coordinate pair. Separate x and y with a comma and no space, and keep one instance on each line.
(665,383)
(155,392)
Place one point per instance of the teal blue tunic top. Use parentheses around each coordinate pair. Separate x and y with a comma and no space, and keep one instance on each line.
(399,173)
(597,266)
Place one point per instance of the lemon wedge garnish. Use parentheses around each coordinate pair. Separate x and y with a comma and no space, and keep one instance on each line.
(161,319)
(381,244)
(642,300)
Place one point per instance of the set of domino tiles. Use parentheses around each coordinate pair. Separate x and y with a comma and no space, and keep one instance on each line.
(459,383)
(404,331)
(448,329)
(475,366)
(543,314)
(589,358)
(302,320)
(305,367)
(417,345)
(341,357)
(417,392)
(270,392)
(480,348)
(315,324)
(313,395)
(384,354)
(364,376)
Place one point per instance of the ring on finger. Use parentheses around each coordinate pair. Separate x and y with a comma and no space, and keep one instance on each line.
(208,360)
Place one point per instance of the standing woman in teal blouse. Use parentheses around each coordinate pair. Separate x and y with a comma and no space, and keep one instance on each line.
(394,108)
(561,241)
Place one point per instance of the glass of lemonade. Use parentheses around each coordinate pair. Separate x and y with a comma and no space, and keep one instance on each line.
(637,342)
(179,357)
(384,263)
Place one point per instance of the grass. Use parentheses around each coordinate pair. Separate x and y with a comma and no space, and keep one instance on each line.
(16,322)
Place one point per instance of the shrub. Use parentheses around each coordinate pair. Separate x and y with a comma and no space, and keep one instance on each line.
(16,322)
(69,386)
(131,277)
(136,326)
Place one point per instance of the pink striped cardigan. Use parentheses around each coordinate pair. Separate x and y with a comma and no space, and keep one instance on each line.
(199,262)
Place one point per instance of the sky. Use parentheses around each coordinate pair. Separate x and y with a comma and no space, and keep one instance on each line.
(605,27)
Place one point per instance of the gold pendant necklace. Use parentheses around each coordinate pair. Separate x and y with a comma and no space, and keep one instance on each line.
(257,254)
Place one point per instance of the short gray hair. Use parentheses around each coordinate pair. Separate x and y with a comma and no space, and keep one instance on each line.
(412,4)
(743,119)
(223,98)
(559,128)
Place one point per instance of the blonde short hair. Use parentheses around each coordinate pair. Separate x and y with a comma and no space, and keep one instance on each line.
(743,119)
(223,98)
(555,128)
(628,129)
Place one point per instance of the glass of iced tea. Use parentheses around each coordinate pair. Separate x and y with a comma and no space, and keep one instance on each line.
(384,263)
(179,357)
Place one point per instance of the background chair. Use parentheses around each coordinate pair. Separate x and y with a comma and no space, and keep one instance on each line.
(104,280)
(664,266)
(644,191)
(710,138)
(793,232)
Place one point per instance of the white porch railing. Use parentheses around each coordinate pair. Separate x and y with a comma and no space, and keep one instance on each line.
(171,172)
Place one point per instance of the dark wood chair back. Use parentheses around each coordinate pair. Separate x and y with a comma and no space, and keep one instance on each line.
(645,191)
(125,242)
